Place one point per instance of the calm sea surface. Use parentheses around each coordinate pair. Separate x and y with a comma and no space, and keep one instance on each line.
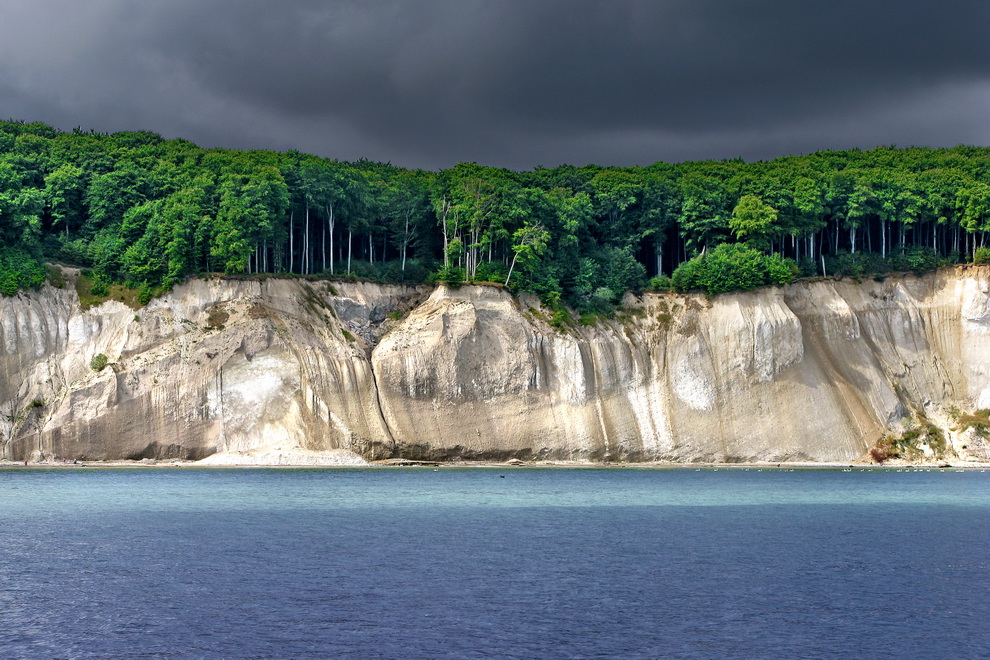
(481,563)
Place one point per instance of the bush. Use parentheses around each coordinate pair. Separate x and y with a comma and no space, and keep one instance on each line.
(600,280)
(19,270)
(978,420)
(491,272)
(560,317)
(662,283)
(935,438)
(844,264)
(99,287)
(99,362)
(808,267)
(145,293)
(879,453)
(386,271)
(981,255)
(621,271)
(908,444)
(917,259)
(451,275)
(417,270)
(55,277)
(733,267)
(75,252)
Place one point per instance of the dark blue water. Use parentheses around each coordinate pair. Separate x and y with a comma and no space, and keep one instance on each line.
(176,563)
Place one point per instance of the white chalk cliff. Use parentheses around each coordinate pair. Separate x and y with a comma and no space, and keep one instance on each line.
(816,371)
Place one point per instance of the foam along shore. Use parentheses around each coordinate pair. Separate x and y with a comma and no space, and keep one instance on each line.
(284,457)
(260,457)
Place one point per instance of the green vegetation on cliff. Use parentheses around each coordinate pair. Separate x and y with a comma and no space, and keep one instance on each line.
(732,267)
(148,212)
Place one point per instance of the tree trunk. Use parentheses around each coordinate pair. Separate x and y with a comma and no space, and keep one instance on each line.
(511,266)
(473,265)
(405,243)
(329,208)
(445,210)
(348,251)
(309,246)
(292,252)
(883,238)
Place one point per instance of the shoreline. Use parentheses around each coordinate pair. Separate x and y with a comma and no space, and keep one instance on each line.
(404,463)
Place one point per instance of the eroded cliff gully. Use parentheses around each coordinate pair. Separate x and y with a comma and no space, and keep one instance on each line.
(287,370)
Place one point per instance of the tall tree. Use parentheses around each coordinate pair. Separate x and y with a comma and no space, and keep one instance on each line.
(752,221)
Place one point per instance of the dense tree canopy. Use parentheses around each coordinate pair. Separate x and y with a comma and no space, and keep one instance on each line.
(139,209)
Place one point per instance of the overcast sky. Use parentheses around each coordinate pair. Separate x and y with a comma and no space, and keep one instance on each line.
(429,83)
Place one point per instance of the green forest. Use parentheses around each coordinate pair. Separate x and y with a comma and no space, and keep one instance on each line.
(135,209)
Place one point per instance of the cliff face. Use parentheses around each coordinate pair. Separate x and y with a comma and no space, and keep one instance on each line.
(815,371)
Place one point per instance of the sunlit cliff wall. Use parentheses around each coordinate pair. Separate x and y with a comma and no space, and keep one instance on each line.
(816,371)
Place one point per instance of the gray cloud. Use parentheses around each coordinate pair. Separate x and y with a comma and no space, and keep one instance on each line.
(512,83)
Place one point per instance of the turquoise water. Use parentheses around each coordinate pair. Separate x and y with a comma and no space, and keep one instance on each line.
(524,563)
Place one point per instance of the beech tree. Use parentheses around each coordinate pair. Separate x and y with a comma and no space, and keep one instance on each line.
(529,243)
(139,209)
(752,221)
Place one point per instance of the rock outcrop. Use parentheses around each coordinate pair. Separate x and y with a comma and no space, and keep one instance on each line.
(816,371)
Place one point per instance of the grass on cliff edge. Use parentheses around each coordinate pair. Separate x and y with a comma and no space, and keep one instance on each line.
(93,291)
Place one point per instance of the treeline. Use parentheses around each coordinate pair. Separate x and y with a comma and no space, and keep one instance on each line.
(139,209)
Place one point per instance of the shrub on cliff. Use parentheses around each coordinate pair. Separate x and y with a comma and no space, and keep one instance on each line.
(732,267)
(909,444)
(19,270)
(918,259)
(99,362)
(450,275)
(145,293)
(661,283)
(978,420)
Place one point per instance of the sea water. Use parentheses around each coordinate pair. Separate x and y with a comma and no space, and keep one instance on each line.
(494,563)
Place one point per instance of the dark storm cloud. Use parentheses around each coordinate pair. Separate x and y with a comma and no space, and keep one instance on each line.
(428,84)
